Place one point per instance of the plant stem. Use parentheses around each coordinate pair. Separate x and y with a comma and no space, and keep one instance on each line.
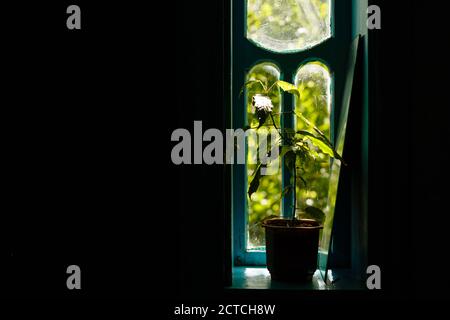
(276,127)
(270,89)
(295,170)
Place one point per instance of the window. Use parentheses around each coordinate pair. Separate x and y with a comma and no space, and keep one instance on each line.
(264,205)
(288,25)
(311,43)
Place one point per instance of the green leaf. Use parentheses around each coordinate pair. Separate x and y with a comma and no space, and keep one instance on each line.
(315,213)
(304,119)
(251,83)
(254,185)
(311,125)
(323,137)
(312,153)
(288,87)
(323,146)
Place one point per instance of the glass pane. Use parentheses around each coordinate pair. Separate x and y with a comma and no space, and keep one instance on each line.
(288,25)
(266,201)
(314,83)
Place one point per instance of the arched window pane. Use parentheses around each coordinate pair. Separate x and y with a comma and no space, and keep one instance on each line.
(266,201)
(288,25)
(314,83)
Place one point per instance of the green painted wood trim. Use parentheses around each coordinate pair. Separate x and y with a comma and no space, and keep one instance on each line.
(334,52)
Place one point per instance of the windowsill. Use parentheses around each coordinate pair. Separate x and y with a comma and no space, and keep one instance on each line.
(259,278)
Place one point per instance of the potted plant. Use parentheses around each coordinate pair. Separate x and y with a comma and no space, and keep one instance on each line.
(291,242)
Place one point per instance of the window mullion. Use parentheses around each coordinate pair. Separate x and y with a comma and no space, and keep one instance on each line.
(287,122)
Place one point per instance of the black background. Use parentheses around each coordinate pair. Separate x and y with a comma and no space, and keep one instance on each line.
(87,117)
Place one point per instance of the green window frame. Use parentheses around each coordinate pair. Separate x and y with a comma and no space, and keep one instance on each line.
(337,53)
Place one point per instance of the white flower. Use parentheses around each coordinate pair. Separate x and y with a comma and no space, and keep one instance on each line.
(261,103)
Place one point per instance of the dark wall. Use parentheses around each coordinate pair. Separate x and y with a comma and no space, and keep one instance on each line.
(428,172)
(408,75)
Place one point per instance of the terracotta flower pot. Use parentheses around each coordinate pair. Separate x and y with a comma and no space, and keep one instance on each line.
(291,248)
